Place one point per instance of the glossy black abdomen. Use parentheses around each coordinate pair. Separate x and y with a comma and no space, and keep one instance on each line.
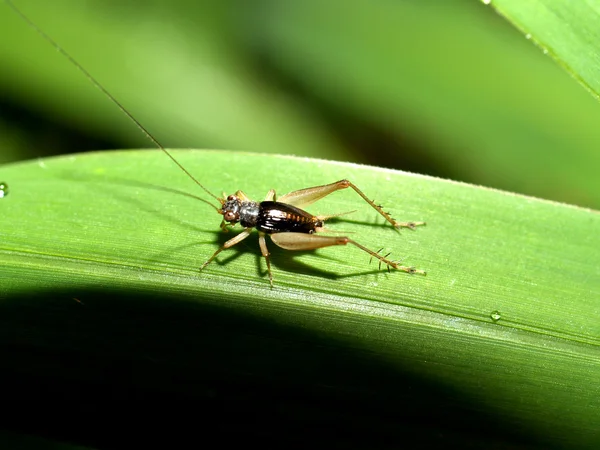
(275,217)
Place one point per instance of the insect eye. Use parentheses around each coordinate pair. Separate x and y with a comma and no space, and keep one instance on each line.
(229,216)
(231,198)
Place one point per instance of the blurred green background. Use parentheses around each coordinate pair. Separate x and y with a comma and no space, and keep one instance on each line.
(441,87)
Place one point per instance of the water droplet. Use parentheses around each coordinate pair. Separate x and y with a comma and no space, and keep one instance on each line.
(528,36)
(545,51)
(487,2)
(495,315)
(3,189)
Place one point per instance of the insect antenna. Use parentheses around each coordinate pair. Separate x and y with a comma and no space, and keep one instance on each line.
(97,84)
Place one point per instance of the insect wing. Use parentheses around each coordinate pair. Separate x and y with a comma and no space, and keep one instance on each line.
(276,217)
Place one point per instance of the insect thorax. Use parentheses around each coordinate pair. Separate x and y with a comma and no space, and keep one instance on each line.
(249,214)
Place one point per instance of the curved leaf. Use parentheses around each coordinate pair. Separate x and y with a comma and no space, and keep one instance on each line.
(511,297)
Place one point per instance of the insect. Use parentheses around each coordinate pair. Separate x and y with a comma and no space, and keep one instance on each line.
(283,219)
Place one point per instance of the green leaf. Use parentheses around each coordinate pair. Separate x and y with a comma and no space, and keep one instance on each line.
(565,30)
(505,325)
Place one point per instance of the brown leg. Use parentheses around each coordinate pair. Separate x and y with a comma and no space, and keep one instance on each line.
(230,243)
(305,197)
(271,196)
(302,241)
(265,252)
(240,194)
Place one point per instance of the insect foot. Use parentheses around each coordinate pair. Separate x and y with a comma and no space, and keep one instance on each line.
(383,259)
(411,225)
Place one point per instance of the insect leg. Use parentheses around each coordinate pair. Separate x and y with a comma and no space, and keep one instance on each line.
(265,252)
(303,241)
(271,196)
(241,195)
(305,197)
(230,243)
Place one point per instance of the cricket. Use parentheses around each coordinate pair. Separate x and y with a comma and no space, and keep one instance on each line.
(283,218)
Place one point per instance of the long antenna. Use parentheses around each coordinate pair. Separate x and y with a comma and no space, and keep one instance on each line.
(108,94)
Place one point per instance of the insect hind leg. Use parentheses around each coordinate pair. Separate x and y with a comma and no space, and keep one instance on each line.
(388,262)
(303,241)
(305,197)
(379,209)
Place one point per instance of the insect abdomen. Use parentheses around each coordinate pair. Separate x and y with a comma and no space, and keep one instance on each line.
(275,217)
